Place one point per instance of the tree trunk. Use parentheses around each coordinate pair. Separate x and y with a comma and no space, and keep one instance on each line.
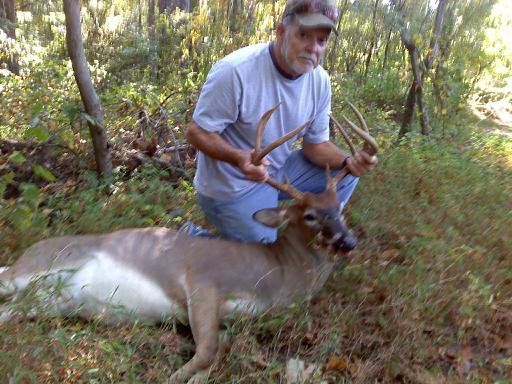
(374,39)
(139,16)
(171,5)
(164,6)
(408,117)
(8,24)
(386,50)
(433,52)
(415,95)
(418,87)
(153,39)
(151,20)
(88,94)
(341,12)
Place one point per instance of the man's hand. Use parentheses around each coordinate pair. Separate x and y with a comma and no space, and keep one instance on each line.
(360,163)
(257,173)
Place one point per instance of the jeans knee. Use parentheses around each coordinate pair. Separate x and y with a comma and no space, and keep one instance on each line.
(250,234)
(346,188)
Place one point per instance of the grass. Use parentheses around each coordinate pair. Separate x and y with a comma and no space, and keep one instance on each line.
(426,298)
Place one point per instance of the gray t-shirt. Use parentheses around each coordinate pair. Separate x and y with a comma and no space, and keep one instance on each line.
(238,90)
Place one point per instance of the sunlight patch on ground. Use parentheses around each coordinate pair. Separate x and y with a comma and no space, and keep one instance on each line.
(499,112)
(496,119)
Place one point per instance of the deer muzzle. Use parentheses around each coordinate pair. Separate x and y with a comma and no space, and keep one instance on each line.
(338,237)
(346,243)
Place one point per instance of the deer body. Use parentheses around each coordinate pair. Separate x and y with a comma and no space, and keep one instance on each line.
(151,274)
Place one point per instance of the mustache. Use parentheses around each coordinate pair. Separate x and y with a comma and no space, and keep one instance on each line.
(310,58)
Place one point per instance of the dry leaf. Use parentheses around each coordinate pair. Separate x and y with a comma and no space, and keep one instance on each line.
(337,363)
(464,359)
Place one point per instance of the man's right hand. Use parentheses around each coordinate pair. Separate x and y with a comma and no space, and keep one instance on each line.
(257,173)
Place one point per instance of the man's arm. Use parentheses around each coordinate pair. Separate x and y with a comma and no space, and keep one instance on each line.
(214,146)
(327,152)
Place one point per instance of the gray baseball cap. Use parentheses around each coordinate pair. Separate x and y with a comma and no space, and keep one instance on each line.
(313,13)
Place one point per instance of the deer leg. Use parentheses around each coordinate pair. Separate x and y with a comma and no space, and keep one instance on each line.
(203,312)
(202,376)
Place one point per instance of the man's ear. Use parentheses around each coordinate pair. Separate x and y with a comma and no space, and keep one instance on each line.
(271,217)
(280,31)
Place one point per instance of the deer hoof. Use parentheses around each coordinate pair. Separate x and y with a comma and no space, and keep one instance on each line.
(199,378)
(176,377)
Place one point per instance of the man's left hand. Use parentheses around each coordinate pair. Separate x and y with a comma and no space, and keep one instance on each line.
(361,162)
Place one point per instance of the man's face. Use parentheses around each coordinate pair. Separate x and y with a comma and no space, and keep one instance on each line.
(300,49)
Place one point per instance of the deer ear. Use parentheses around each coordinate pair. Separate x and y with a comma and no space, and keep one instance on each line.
(271,217)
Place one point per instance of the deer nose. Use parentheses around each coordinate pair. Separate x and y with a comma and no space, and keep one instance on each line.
(347,243)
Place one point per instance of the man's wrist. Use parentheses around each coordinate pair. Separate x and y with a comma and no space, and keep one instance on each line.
(344,162)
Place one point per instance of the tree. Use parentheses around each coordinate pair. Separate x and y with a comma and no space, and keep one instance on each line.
(8,23)
(374,38)
(88,94)
(419,69)
(171,5)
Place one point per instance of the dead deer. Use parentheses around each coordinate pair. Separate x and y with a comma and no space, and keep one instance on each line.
(157,273)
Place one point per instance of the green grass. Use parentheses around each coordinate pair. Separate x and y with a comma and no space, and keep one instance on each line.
(426,298)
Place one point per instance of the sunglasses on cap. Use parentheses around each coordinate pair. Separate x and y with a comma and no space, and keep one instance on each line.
(324,7)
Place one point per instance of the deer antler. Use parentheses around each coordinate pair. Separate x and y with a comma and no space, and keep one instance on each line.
(259,153)
(370,145)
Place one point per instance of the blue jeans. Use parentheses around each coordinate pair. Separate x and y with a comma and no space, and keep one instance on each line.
(233,219)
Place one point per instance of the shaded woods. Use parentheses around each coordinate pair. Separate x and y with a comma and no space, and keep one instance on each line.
(110,86)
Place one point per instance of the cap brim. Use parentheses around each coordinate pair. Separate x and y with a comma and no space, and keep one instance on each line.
(316,20)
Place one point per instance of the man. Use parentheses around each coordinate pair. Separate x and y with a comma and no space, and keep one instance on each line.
(238,90)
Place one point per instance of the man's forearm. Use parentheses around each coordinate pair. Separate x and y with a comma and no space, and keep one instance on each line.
(324,154)
(328,153)
(213,145)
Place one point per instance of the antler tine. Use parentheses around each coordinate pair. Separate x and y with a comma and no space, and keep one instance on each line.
(370,145)
(260,154)
(344,134)
(340,175)
(261,127)
(331,181)
(359,116)
(287,188)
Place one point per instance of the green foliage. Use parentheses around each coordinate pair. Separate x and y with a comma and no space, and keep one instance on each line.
(382,91)
(143,200)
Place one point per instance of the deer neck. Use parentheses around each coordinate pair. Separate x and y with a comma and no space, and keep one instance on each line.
(305,264)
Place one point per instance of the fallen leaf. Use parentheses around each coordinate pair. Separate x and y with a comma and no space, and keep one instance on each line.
(171,341)
(465,359)
(505,343)
(337,363)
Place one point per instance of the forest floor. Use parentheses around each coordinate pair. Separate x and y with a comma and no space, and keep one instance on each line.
(425,299)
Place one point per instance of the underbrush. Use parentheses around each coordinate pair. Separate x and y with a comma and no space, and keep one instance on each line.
(426,298)
(148,197)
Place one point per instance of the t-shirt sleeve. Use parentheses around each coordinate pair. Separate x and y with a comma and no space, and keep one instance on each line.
(218,104)
(318,131)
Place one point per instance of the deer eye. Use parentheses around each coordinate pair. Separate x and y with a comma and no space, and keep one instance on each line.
(309,217)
